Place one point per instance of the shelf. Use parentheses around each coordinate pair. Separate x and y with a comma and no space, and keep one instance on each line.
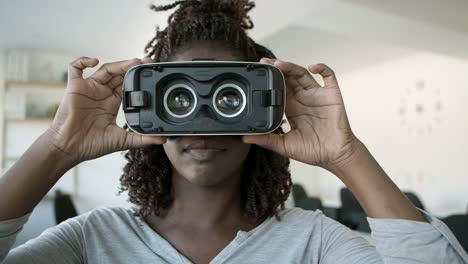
(41,84)
(11,158)
(31,120)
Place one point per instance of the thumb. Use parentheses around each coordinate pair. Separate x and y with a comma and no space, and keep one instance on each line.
(134,140)
(271,141)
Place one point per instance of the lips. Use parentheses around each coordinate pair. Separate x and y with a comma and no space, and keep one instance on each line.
(203,150)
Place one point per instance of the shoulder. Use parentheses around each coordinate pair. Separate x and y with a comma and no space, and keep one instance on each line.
(108,213)
(308,218)
(295,222)
(306,221)
(301,228)
(102,218)
(298,215)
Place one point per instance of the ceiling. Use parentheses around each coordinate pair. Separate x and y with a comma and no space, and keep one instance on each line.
(104,28)
(447,14)
(307,46)
(117,28)
(350,32)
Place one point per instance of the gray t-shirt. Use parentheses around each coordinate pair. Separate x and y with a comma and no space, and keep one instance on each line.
(115,235)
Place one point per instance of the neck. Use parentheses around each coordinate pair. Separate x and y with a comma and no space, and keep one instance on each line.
(207,206)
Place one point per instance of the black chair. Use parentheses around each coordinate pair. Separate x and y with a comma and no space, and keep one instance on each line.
(302,200)
(351,213)
(310,203)
(414,199)
(458,224)
(298,193)
(63,207)
(353,216)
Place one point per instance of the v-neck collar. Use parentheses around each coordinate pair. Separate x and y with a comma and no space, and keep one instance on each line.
(160,246)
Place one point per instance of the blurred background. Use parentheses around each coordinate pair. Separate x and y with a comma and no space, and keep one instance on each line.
(402,67)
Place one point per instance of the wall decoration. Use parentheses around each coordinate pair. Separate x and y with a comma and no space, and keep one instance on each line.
(421,109)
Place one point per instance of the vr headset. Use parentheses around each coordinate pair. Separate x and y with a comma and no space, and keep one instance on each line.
(204,98)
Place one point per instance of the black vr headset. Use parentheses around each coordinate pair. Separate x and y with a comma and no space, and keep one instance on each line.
(204,98)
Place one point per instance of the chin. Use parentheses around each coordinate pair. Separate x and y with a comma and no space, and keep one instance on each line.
(204,175)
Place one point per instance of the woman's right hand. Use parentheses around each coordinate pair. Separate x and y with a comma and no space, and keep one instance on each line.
(85,126)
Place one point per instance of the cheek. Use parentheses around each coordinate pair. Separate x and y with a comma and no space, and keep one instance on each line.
(236,156)
(229,163)
(173,154)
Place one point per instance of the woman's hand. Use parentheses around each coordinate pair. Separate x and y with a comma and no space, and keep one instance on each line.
(85,126)
(321,135)
(320,132)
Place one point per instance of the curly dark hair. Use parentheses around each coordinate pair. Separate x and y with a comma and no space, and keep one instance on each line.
(266,180)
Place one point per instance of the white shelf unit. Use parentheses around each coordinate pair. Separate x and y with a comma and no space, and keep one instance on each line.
(18,132)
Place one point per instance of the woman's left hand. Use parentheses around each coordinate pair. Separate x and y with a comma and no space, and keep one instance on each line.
(320,132)
(321,135)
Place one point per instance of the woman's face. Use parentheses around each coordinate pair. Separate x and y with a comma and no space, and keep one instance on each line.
(206,160)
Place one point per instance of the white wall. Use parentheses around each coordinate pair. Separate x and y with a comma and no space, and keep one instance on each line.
(422,152)
(2,72)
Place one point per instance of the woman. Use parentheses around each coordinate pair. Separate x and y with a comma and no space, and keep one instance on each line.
(213,199)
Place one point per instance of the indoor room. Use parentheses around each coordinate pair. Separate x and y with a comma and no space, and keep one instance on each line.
(389,145)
